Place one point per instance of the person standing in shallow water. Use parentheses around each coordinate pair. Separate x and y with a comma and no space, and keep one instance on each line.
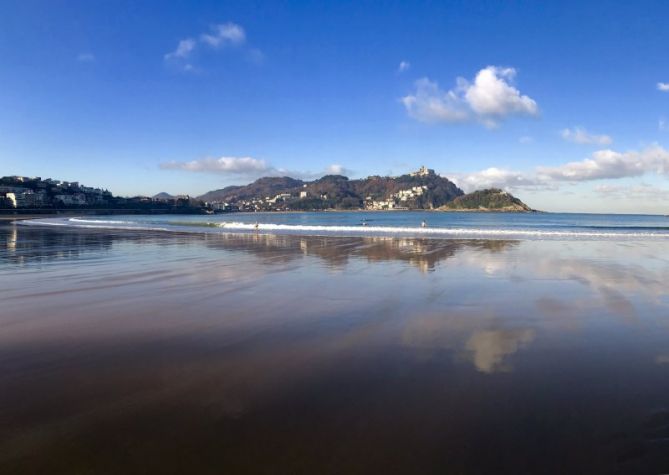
(423,224)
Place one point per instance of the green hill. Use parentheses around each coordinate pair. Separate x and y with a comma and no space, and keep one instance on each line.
(492,199)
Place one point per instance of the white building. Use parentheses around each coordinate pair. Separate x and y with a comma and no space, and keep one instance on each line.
(12,198)
(423,171)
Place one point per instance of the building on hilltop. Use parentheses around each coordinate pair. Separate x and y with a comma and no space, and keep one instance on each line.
(423,171)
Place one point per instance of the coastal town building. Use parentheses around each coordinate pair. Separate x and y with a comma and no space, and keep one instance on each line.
(27,193)
(11,199)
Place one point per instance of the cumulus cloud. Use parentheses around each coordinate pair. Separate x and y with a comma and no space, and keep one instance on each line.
(224,34)
(581,136)
(663,86)
(226,165)
(220,36)
(611,164)
(404,66)
(490,98)
(491,95)
(496,178)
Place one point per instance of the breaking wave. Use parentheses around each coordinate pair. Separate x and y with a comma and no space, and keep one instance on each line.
(583,232)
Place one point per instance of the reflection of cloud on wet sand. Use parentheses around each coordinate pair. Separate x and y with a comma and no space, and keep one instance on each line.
(613,285)
(490,347)
(607,277)
(662,359)
(463,334)
(616,284)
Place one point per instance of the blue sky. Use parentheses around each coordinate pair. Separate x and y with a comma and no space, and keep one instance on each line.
(561,103)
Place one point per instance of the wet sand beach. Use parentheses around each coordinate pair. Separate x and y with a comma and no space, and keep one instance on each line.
(145,352)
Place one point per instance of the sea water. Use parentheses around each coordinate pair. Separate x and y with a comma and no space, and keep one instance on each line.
(412,223)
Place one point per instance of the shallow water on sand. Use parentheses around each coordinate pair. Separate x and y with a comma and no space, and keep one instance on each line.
(139,351)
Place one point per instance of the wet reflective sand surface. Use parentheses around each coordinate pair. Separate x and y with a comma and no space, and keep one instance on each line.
(139,352)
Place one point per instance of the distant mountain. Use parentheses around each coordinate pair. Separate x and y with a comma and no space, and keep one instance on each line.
(423,189)
(262,187)
(492,199)
(163,196)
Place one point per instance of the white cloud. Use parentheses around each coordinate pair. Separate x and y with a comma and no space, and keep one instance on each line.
(249,167)
(491,95)
(336,169)
(404,66)
(611,164)
(489,99)
(430,104)
(663,86)
(86,57)
(581,136)
(183,49)
(226,165)
(224,34)
(601,165)
(496,178)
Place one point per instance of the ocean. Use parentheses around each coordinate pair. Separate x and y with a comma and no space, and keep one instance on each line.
(394,223)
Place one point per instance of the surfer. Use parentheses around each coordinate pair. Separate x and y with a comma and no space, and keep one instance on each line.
(423,224)
(256,226)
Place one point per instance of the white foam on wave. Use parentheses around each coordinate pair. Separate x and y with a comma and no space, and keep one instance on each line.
(99,221)
(432,231)
(314,229)
(90,224)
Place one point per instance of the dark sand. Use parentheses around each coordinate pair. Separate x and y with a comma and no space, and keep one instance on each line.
(130,352)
